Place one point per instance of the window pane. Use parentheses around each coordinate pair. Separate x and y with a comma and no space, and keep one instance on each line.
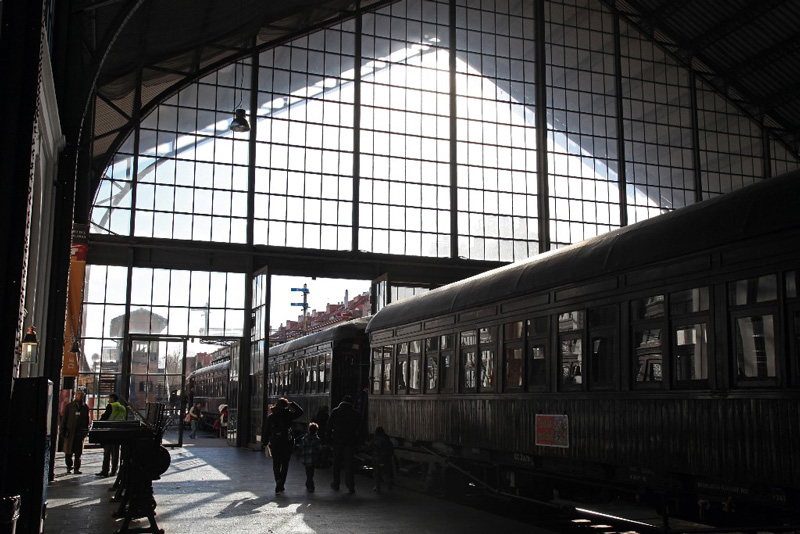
(571,361)
(432,373)
(647,308)
(513,367)
(414,379)
(689,301)
(446,371)
(402,375)
(537,365)
(570,321)
(513,330)
(604,316)
(431,344)
(469,339)
(762,289)
(468,370)
(487,369)
(648,359)
(791,285)
(755,347)
(387,376)
(487,335)
(692,352)
(537,327)
(602,361)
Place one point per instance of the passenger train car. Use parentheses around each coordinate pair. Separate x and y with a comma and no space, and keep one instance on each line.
(320,369)
(661,359)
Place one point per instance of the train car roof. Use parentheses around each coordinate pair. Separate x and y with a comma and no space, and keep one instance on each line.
(768,206)
(213,367)
(338,331)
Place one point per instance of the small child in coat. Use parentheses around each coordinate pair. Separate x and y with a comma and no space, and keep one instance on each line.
(310,450)
(382,452)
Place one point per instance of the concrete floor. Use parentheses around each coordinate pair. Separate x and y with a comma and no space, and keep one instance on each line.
(213,488)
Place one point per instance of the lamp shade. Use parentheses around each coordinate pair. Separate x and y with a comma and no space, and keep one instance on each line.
(239,122)
(30,346)
(30,337)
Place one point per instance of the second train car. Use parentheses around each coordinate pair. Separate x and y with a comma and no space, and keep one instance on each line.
(320,369)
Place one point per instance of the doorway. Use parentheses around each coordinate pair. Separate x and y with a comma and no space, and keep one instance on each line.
(158,374)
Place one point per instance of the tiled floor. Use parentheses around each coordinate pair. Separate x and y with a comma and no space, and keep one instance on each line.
(213,488)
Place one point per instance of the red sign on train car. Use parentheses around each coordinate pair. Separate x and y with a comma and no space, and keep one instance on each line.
(552,431)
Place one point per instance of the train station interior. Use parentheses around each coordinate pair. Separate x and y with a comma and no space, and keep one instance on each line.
(163,161)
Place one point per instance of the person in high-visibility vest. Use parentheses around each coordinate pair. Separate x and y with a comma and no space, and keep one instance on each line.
(115,411)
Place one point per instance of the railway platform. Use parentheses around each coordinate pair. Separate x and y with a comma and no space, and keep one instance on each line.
(213,488)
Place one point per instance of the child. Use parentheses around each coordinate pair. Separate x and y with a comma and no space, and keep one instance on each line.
(310,449)
(382,452)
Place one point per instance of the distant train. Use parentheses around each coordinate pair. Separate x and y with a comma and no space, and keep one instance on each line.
(321,368)
(661,359)
(210,386)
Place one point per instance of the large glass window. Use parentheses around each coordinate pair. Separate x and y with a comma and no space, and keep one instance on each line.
(496,138)
(304,142)
(582,145)
(405,131)
(429,139)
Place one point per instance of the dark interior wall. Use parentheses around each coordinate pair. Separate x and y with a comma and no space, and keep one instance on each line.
(20,64)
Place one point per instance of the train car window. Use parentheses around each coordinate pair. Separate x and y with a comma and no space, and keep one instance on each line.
(538,331)
(570,321)
(431,380)
(446,372)
(513,367)
(487,369)
(648,360)
(647,308)
(791,285)
(539,327)
(795,345)
(689,301)
(754,290)
(571,356)
(414,367)
(603,342)
(755,347)
(513,330)
(310,381)
(647,325)
(754,329)
(691,352)
(328,358)
(488,350)
(377,371)
(402,368)
(570,338)
(469,360)
(537,364)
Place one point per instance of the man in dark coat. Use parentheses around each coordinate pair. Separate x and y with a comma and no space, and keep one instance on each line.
(74,429)
(343,436)
(279,436)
